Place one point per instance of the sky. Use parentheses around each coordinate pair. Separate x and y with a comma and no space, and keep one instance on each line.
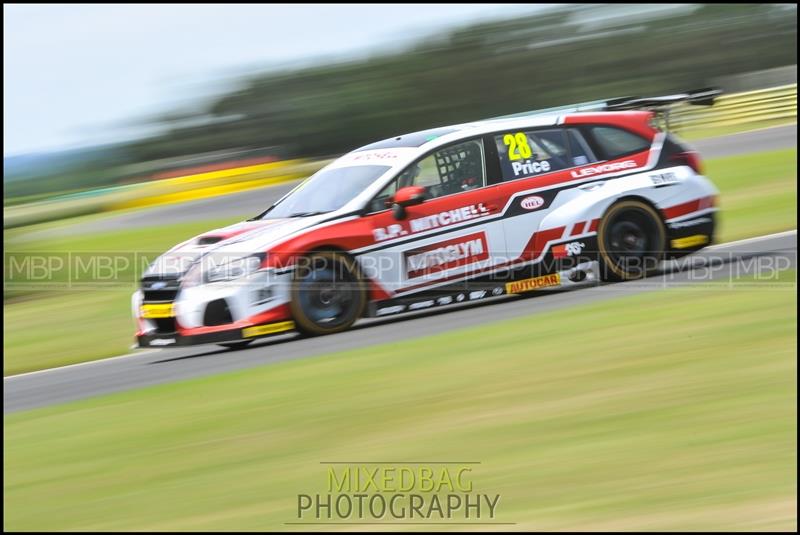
(76,75)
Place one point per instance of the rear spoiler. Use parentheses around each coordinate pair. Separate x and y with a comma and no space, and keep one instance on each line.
(660,105)
(698,97)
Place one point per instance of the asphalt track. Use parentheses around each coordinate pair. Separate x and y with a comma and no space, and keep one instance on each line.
(246,204)
(758,256)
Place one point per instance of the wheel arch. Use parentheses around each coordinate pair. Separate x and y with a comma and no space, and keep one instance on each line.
(640,198)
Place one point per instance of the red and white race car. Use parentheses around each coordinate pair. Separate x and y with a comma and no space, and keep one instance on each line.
(439,217)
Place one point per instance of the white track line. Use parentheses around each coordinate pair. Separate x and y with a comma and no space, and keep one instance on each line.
(88,363)
(101,361)
(755,239)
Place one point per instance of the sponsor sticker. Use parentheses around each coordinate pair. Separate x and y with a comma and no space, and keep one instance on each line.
(536,283)
(391,310)
(568,249)
(689,241)
(162,342)
(270,328)
(664,179)
(532,202)
(421,304)
(155,311)
(691,223)
(445,255)
(529,167)
(430,222)
(603,168)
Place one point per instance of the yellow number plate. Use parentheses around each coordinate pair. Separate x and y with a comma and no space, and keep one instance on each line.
(152,311)
(271,328)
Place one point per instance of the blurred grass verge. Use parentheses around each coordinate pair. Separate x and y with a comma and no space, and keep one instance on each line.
(738,112)
(159,192)
(584,419)
(758,196)
(698,133)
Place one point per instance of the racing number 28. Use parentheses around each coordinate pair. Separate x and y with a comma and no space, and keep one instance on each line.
(518,147)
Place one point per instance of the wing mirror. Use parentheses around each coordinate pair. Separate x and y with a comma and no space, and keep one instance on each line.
(408,196)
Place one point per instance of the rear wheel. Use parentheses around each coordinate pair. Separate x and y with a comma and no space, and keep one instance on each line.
(631,238)
(328,294)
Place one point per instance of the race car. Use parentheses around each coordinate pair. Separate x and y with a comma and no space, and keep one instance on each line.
(510,205)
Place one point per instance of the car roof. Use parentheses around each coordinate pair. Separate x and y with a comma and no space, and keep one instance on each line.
(412,140)
(434,137)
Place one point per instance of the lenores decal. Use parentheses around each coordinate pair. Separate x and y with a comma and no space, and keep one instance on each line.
(603,168)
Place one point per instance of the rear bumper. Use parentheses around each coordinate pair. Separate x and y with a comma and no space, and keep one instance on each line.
(691,234)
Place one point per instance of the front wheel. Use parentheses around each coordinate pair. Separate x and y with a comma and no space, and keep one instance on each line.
(631,239)
(328,294)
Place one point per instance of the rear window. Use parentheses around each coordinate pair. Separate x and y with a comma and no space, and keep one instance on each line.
(616,142)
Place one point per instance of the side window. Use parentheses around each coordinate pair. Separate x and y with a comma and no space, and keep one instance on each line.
(525,154)
(616,142)
(579,150)
(449,170)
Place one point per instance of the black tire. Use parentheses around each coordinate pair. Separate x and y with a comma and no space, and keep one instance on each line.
(241,344)
(631,238)
(328,293)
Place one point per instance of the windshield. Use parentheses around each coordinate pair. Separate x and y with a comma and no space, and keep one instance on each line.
(326,191)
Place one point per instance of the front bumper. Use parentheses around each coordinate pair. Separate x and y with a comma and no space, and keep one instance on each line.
(213,313)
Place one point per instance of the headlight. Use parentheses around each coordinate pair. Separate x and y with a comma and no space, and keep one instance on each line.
(210,270)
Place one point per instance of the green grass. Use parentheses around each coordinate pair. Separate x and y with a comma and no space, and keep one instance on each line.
(667,411)
(758,193)
(47,328)
(758,196)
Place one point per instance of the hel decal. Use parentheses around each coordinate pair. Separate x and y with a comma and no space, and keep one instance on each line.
(532,203)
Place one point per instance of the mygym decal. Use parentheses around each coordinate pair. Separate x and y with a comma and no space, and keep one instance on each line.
(446,255)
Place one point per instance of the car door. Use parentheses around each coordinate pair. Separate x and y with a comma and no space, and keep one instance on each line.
(454,233)
(535,164)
